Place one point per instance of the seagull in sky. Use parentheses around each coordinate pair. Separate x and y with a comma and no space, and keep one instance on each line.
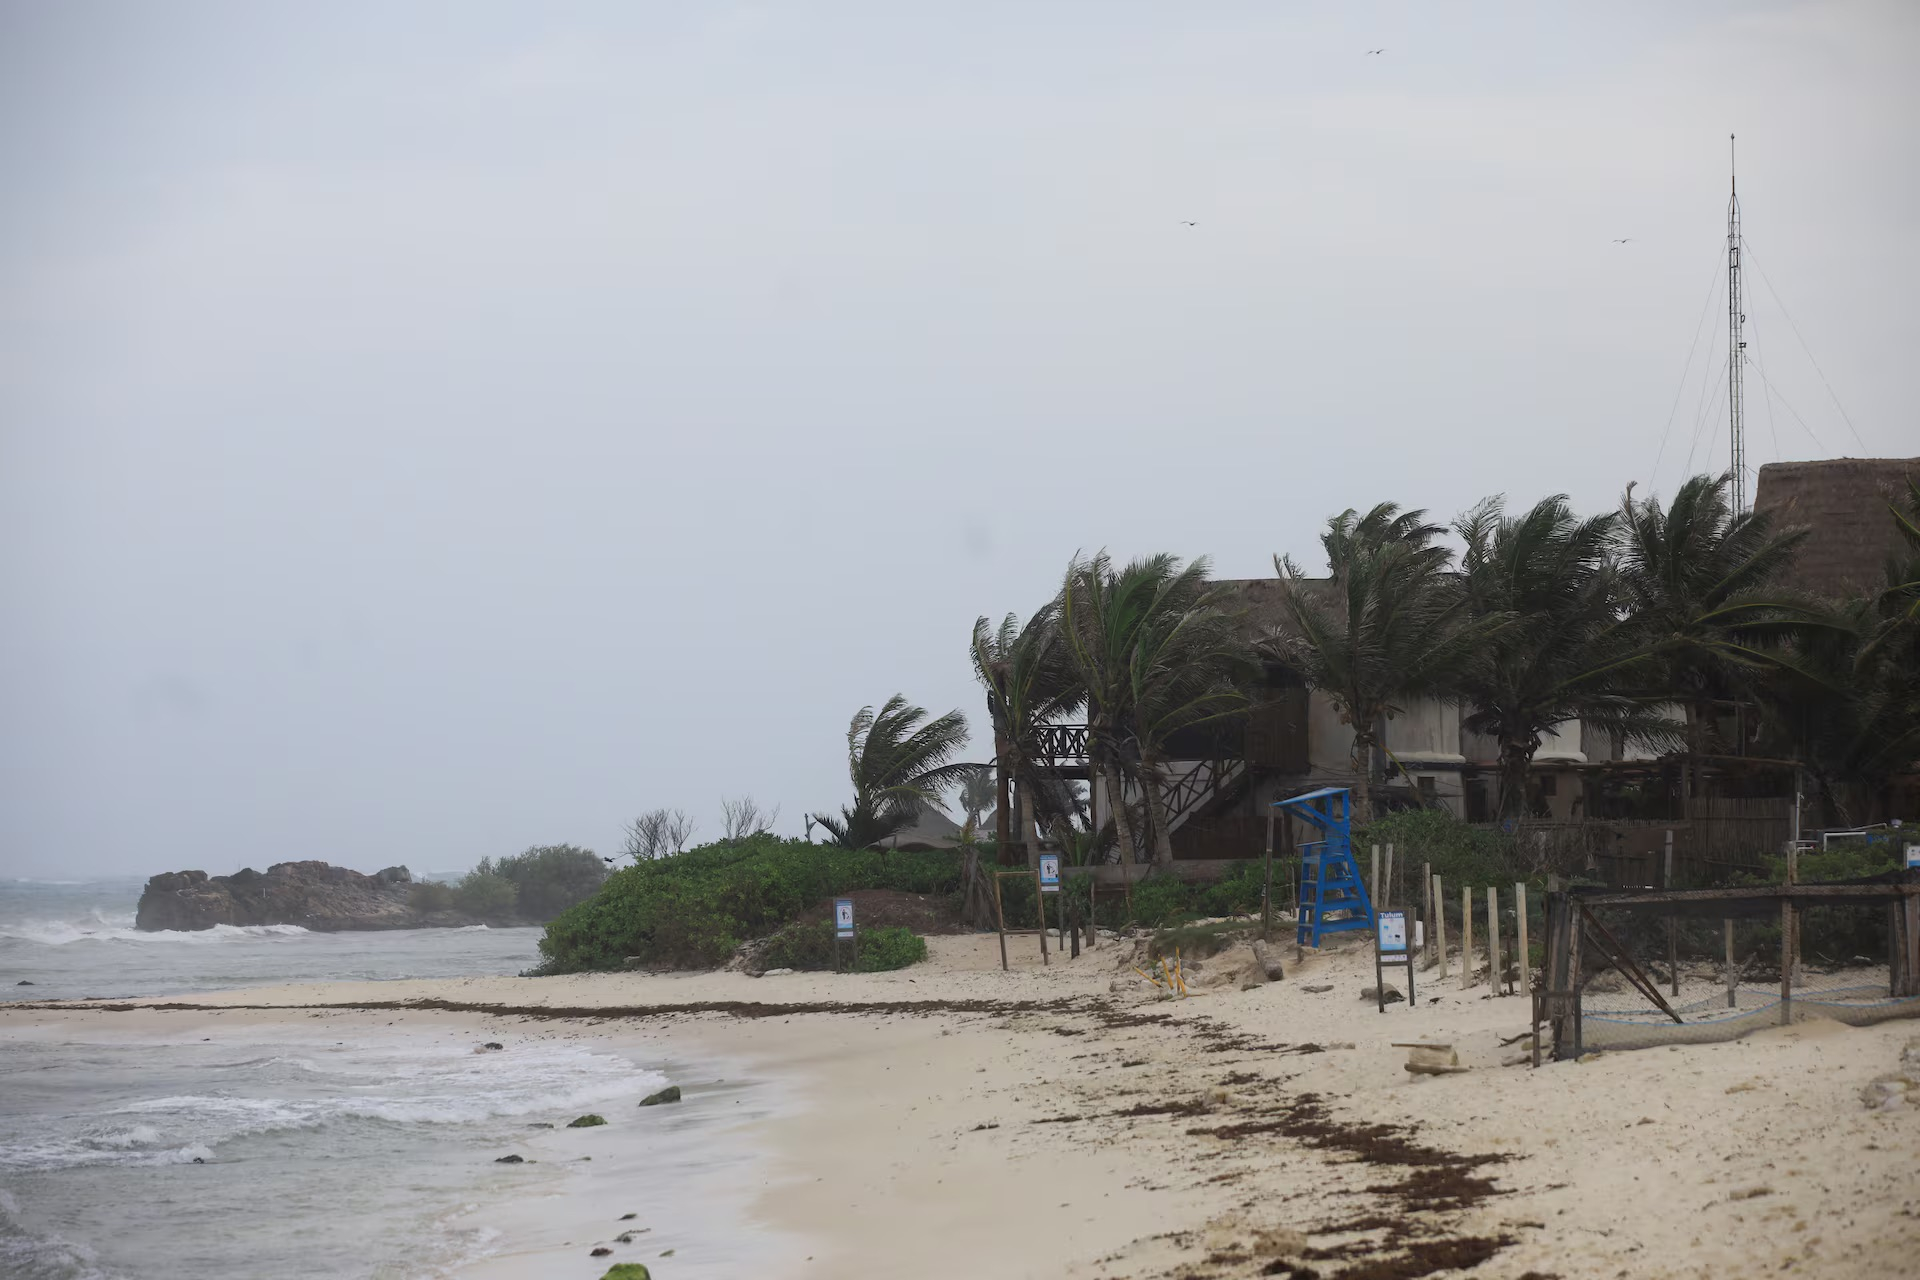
(1627,240)
(1189,224)
(1371,52)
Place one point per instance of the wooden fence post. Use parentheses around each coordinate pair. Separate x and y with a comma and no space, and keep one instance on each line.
(1520,915)
(1673,927)
(1386,879)
(1373,877)
(1733,976)
(1440,923)
(1466,938)
(1426,906)
(1786,961)
(1493,939)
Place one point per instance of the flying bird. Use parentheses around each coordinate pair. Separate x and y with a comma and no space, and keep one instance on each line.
(1627,240)
(1189,224)
(1371,52)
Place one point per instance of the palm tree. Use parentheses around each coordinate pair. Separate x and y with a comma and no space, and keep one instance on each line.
(1559,652)
(898,766)
(978,793)
(1150,648)
(1696,582)
(1389,625)
(1030,683)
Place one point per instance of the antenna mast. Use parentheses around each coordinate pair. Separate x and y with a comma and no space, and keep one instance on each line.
(1736,345)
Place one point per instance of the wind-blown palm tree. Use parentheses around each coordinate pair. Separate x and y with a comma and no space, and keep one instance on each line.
(1147,640)
(978,793)
(1560,653)
(1030,683)
(1389,625)
(898,766)
(1697,584)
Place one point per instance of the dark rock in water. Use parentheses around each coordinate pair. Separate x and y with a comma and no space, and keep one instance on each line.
(628,1217)
(599,1251)
(23,983)
(587,1121)
(511,1160)
(199,1159)
(669,1094)
(314,895)
(493,1044)
(539,1124)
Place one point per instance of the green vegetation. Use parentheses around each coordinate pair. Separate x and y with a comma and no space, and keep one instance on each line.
(693,909)
(548,878)
(811,945)
(487,895)
(1459,853)
(429,896)
(627,1271)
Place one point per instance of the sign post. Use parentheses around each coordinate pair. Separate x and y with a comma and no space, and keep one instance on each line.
(1050,883)
(1390,947)
(843,932)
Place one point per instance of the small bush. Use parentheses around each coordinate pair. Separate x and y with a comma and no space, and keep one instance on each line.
(486,894)
(1459,853)
(549,878)
(811,946)
(429,896)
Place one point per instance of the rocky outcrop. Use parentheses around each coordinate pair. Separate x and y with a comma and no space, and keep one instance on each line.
(314,895)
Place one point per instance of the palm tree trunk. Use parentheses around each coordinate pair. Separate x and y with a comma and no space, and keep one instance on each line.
(1362,762)
(1026,820)
(1157,811)
(1122,815)
(1515,763)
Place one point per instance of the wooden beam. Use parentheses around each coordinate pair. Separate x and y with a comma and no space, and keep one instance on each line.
(1629,968)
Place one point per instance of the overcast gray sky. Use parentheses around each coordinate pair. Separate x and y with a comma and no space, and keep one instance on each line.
(432,429)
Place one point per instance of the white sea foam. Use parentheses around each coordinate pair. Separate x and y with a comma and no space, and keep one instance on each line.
(102,928)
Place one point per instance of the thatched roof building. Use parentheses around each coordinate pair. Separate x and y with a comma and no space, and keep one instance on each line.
(1843,505)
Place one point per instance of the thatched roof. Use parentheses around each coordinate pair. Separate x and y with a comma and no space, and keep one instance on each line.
(1843,505)
(1257,602)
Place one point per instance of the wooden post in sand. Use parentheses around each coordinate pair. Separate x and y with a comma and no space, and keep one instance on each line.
(1426,908)
(1786,961)
(1520,915)
(1040,915)
(1673,926)
(1373,879)
(1386,880)
(1266,893)
(1493,939)
(1000,921)
(1466,938)
(1733,977)
(1440,923)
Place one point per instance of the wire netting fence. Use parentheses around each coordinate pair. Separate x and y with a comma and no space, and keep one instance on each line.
(1633,975)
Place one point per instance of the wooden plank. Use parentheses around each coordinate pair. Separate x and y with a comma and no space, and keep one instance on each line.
(1000,920)
(1426,909)
(1755,893)
(1733,976)
(1440,923)
(1910,970)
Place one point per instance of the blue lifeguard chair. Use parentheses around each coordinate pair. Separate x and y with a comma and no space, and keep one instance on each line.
(1333,898)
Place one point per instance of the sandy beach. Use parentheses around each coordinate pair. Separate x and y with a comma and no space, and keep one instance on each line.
(953,1120)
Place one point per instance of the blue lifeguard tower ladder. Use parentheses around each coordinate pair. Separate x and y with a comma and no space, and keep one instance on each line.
(1333,898)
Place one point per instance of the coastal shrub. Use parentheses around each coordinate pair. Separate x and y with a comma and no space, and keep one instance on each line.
(1836,935)
(549,878)
(811,946)
(1460,853)
(428,896)
(693,909)
(486,894)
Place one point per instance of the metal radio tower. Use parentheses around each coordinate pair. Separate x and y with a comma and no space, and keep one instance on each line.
(1736,345)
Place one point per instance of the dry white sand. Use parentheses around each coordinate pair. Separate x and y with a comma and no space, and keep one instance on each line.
(970,1123)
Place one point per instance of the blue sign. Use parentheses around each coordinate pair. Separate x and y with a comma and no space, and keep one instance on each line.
(1392,933)
(1049,873)
(843,917)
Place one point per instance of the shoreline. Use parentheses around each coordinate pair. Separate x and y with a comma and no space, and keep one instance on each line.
(952,1120)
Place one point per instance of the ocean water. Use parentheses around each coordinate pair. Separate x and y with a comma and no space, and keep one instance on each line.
(74,939)
(314,1146)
